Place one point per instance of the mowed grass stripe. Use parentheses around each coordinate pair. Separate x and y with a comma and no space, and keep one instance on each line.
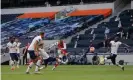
(70,72)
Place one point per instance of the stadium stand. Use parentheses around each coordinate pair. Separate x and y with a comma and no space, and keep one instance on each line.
(62,24)
(35,3)
(53,30)
(96,36)
(27,24)
(8,17)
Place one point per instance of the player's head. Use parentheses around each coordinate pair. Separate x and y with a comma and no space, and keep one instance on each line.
(42,34)
(11,39)
(60,40)
(116,39)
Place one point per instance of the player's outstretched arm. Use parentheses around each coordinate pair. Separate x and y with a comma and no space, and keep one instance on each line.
(53,45)
(125,45)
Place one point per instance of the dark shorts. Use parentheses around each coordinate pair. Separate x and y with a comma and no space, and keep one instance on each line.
(50,59)
(32,55)
(14,56)
(113,58)
(18,54)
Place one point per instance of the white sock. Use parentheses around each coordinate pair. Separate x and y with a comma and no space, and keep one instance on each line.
(12,63)
(37,65)
(119,65)
(105,59)
(59,60)
(42,67)
(53,68)
(29,67)
(18,63)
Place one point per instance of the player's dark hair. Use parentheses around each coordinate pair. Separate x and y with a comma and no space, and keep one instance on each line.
(11,39)
(117,38)
(41,33)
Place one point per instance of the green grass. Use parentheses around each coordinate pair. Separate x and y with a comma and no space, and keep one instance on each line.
(71,72)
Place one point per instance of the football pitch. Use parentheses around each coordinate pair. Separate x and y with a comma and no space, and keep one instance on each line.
(70,72)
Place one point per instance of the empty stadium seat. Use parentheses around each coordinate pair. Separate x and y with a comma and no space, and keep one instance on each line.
(126,13)
(99,37)
(102,50)
(127,41)
(126,19)
(76,50)
(83,37)
(126,24)
(8,17)
(108,24)
(99,30)
(86,43)
(113,30)
(88,31)
(70,45)
(112,19)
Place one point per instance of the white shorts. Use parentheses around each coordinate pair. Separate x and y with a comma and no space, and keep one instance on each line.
(28,56)
(60,56)
(43,54)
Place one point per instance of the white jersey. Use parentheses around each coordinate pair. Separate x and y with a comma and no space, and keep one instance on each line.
(115,46)
(12,47)
(43,53)
(18,47)
(38,39)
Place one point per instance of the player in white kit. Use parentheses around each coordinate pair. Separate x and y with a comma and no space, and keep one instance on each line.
(12,47)
(114,48)
(34,53)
